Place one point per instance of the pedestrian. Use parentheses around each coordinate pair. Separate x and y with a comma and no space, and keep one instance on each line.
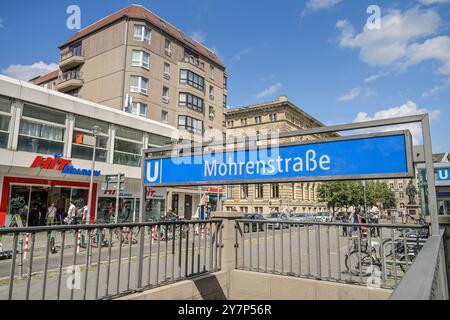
(84,213)
(71,213)
(51,215)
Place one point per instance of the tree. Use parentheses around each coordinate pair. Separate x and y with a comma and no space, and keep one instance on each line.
(379,191)
(345,194)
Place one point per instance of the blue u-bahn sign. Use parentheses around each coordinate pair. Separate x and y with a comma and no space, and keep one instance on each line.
(383,155)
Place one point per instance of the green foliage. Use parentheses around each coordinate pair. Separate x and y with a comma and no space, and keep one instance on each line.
(344,194)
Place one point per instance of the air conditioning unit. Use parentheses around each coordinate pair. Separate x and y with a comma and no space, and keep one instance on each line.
(165,99)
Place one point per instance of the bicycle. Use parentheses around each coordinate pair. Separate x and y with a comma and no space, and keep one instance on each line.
(361,261)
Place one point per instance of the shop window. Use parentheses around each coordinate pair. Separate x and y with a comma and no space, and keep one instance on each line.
(128,147)
(5,118)
(83,139)
(41,130)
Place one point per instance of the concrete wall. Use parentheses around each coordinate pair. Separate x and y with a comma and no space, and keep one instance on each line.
(208,287)
(251,285)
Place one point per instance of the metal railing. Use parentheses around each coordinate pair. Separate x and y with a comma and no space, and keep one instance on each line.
(70,75)
(427,277)
(377,255)
(103,261)
(72,52)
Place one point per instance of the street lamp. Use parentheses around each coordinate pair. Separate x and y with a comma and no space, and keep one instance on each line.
(96,130)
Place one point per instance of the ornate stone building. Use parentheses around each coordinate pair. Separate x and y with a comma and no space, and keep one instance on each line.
(279,115)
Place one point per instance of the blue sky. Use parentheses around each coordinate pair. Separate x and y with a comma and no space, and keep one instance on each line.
(317,52)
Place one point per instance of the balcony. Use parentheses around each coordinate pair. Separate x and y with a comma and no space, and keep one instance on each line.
(69,81)
(195,61)
(71,58)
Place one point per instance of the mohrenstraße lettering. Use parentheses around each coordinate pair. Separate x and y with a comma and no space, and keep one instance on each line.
(310,162)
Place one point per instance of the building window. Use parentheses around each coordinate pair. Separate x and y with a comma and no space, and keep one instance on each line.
(259,210)
(128,147)
(244,209)
(212,72)
(139,109)
(140,59)
(258,120)
(402,205)
(191,125)
(230,190)
(230,124)
(41,130)
(165,95)
(244,191)
(401,195)
(225,81)
(244,122)
(139,84)
(259,191)
(142,33)
(192,79)
(391,185)
(212,113)
(192,102)
(83,139)
(5,118)
(400,185)
(275,190)
(225,102)
(211,93)
(273,117)
(168,47)
(166,70)
(164,116)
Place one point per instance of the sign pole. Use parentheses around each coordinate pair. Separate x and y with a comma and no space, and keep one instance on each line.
(119,176)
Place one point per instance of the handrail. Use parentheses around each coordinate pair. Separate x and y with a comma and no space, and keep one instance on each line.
(100,226)
(419,282)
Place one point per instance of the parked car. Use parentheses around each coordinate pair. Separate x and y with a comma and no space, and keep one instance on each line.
(277,217)
(301,218)
(323,217)
(342,216)
(255,226)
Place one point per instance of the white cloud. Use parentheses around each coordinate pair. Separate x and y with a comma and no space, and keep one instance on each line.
(315,5)
(27,72)
(350,95)
(237,57)
(408,109)
(269,91)
(375,76)
(437,49)
(199,36)
(429,2)
(389,44)
(437,88)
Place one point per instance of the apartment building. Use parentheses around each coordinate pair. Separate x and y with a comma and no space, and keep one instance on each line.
(282,116)
(137,62)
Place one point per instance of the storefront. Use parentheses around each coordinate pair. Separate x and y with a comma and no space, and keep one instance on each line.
(129,203)
(25,201)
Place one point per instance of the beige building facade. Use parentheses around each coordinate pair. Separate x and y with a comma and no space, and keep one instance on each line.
(264,118)
(137,62)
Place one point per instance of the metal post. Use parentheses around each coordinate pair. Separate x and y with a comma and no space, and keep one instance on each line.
(432,200)
(140,254)
(95,131)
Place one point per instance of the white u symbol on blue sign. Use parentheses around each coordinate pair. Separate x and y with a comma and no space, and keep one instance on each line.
(443,174)
(152,177)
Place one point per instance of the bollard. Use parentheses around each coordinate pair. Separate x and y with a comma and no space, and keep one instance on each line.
(78,241)
(27,238)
